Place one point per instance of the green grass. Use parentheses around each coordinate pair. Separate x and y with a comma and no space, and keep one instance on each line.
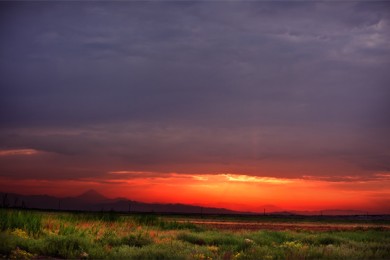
(28,234)
(81,216)
(164,224)
(26,220)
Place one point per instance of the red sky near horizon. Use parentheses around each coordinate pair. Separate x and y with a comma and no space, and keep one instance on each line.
(235,104)
(234,191)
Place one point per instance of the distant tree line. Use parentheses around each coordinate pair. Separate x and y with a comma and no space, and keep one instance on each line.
(16,202)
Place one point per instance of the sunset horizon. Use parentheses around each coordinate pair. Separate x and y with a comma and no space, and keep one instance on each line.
(238,192)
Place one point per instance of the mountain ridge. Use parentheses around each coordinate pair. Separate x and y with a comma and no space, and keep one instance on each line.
(92,200)
(92,196)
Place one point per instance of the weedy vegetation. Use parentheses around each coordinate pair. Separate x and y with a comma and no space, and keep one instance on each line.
(31,234)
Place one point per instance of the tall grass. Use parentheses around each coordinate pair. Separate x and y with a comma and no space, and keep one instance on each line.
(75,217)
(26,220)
(153,220)
(146,219)
(27,234)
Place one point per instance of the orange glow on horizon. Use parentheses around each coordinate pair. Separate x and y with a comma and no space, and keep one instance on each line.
(228,190)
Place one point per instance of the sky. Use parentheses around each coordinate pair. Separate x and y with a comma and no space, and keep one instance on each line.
(235,104)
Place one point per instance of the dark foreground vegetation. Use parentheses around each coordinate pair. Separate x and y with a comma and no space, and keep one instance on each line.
(32,234)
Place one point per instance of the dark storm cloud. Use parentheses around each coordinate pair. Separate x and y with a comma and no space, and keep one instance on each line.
(158,85)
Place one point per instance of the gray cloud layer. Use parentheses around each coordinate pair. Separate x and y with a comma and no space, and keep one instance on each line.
(186,86)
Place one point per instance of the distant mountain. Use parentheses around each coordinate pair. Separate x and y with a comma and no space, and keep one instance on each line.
(283,213)
(269,208)
(330,212)
(92,196)
(92,200)
(343,212)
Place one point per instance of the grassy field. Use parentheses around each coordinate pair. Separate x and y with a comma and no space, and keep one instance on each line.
(33,234)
